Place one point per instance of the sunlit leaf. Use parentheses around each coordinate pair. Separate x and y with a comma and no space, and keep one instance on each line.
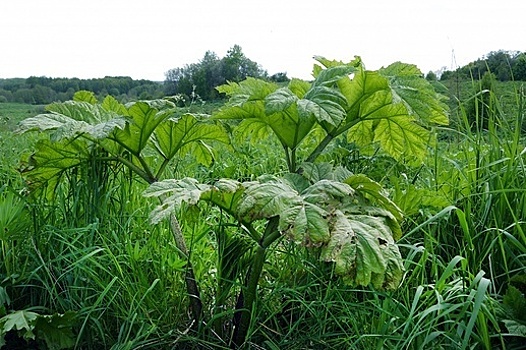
(85,96)
(252,130)
(188,134)
(69,119)
(144,120)
(325,104)
(279,100)
(400,137)
(111,104)
(417,94)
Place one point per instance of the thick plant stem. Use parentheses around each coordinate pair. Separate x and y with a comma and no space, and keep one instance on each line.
(249,296)
(321,146)
(192,289)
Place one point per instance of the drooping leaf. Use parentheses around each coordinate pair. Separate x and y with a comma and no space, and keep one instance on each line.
(328,193)
(266,198)
(374,192)
(306,224)
(362,250)
(173,193)
(350,227)
(226,194)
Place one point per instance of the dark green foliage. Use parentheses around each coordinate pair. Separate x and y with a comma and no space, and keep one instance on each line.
(203,77)
(44,90)
(506,65)
(462,246)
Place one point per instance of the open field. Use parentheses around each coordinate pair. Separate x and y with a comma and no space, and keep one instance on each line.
(83,253)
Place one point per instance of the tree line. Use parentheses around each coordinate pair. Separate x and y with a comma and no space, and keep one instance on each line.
(45,90)
(504,65)
(196,80)
(201,78)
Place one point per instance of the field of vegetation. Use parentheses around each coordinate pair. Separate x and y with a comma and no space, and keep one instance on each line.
(361,210)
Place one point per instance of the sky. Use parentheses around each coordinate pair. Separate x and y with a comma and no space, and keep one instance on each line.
(144,39)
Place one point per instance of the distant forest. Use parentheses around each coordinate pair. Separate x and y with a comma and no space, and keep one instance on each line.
(504,65)
(202,77)
(44,90)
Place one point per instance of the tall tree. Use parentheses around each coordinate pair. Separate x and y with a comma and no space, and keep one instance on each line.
(211,71)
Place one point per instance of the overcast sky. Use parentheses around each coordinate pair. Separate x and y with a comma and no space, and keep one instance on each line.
(144,39)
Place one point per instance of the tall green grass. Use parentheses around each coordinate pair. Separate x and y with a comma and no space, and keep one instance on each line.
(89,248)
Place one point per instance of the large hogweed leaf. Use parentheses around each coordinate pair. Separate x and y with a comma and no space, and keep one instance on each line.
(363,251)
(188,133)
(69,119)
(121,130)
(267,109)
(393,107)
(144,120)
(354,228)
(290,112)
(52,159)
(417,94)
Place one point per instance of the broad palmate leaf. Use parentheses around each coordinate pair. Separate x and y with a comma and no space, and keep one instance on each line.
(416,93)
(72,118)
(393,108)
(329,215)
(188,134)
(52,159)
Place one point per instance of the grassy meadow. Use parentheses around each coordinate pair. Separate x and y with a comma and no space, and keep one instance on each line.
(82,266)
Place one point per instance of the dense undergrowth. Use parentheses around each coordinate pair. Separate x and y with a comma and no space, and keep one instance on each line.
(85,258)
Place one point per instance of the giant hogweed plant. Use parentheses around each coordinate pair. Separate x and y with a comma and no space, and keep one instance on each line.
(347,219)
(144,136)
